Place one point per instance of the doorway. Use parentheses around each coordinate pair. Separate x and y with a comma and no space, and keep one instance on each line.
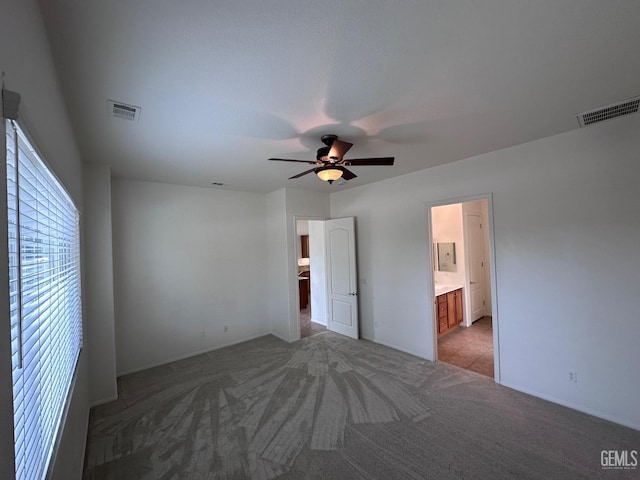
(465,324)
(327,279)
(311,301)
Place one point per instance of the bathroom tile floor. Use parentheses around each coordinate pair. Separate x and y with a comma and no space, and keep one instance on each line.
(470,348)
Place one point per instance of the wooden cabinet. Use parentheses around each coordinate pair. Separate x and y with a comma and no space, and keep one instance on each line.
(458,295)
(304,277)
(441,302)
(304,285)
(449,311)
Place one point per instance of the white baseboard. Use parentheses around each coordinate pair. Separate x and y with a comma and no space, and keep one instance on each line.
(281,337)
(396,347)
(573,406)
(320,320)
(102,401)
(191,354)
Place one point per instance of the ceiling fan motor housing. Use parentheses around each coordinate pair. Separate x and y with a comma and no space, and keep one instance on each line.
(329,139)
(322,152)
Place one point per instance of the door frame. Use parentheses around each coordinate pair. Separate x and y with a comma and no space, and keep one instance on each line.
(492,266)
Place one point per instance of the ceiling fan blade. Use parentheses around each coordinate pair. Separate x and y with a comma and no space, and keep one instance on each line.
(303,173)
(348,174)
(370,161)
(339,148)
(298,161)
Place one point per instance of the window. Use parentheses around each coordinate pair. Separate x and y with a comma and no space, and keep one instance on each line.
(44,289)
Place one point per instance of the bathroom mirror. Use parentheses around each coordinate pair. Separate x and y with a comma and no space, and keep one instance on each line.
(446,257)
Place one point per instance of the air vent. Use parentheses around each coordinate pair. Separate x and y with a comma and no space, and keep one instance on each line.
(626,107)
(124,111)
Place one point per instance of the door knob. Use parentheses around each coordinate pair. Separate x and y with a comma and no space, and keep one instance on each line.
(353,294)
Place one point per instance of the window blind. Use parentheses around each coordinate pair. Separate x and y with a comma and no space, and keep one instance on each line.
(45,305)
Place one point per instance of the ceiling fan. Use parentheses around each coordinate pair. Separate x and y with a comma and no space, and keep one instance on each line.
(330,164)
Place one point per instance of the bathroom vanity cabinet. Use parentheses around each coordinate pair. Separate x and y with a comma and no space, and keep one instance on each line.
(449,308)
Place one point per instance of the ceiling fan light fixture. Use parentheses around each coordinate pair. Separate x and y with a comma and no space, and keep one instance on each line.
(329,174)
(330,164)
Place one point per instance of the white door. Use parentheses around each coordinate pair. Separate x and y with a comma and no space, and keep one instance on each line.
(475,276)
(342,281)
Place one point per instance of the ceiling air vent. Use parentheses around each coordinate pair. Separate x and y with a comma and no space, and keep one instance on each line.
(124,111)
(626,107)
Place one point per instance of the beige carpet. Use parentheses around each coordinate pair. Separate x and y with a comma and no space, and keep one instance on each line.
(328,407)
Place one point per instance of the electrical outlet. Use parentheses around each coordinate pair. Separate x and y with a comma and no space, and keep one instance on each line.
(226,328)
(573,377)
(203,334)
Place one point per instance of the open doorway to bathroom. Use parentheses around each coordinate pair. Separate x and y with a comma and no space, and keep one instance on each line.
(311,277)
(462,285)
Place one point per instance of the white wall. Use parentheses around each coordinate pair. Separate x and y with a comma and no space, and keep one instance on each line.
(317,256)
(446,224)
(26,62)
(568,274)
(302,227)
(278,265)
(98,293)
(187,262)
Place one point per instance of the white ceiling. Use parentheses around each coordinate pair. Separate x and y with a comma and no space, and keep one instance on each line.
(224,85)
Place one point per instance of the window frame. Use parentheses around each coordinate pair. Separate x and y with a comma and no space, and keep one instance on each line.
(62,265)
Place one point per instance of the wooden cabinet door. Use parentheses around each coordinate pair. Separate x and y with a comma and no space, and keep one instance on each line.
(441,302)
(304,246)
(451,310)
(303,286)
(458,306)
